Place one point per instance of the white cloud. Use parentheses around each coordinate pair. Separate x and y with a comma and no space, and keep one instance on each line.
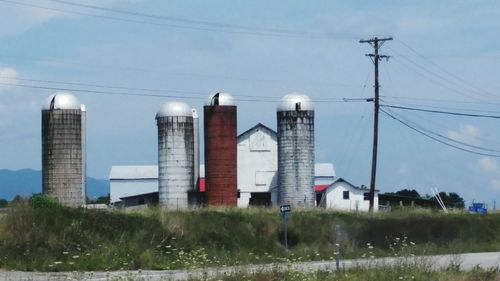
(490,167)
(466,134)
(488,164)
(7,76)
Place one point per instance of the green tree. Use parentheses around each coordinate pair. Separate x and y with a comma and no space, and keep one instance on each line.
(3,203)
(452,199)
(408,193)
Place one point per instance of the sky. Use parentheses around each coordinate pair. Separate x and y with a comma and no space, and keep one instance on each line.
(443,57)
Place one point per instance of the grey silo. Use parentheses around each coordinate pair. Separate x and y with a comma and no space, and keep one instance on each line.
(175,154)
(295,117)
(196,156)
(63,152)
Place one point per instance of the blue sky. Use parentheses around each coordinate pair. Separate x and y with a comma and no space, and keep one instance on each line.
(444,56)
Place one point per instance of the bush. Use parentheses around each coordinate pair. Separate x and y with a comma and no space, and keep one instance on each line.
(43,201)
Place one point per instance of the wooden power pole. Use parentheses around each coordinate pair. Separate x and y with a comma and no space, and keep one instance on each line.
(376,43)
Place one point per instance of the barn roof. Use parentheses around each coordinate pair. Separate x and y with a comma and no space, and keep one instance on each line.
(133,172)
(260,125)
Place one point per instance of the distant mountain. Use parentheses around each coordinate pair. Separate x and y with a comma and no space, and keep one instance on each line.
(26,182)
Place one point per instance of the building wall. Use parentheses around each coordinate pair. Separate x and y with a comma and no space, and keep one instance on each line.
(62,156)
(335,198)
(257,163)
(130,187)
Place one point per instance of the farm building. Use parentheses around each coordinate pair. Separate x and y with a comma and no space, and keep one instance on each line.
(257,167)
(126,181)
(342,195)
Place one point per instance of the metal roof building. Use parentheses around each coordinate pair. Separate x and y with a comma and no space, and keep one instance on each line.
(126,181)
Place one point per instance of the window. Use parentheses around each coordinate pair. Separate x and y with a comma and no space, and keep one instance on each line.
(366,196)
(346,195)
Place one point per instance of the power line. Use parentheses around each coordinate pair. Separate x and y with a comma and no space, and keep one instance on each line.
(189,94)
(442,112)
(438,107)
(435,79)
(436,139)
(203,23)
(214,27)
(131,20)
(456,77)
(166,72)
(445,137)
(444,125)
(120,87)
(438,100)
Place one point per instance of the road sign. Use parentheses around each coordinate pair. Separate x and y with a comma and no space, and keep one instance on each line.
(285,211)
(285,208)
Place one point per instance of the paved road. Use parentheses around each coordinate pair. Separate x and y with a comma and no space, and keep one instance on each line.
(466,262)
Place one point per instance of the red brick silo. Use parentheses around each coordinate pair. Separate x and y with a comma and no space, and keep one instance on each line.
(220,151)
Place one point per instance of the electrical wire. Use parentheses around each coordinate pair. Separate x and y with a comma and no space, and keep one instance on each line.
(443,136)
(437,139)
(439,82)
(175,93)
(442,112)
(436,100)
(456,77)
(170,73)
(396,103)
(233,30)
(204,23)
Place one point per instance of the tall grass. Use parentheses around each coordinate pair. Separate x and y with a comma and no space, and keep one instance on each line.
(48,237)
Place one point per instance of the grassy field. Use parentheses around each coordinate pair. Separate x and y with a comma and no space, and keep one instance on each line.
(41,235)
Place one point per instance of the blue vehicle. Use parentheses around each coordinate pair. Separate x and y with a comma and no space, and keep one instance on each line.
(478,208)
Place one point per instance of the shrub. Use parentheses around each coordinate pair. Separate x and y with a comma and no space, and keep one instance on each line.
(43,201)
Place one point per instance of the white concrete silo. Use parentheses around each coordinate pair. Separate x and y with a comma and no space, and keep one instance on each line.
(295,117)
(63,149)
(175,154)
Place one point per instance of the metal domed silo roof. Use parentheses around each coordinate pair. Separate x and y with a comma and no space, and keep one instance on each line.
(61,100)
(174,108)
(221,99)
(290,101)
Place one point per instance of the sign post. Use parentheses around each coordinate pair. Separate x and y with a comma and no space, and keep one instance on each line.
(285,211)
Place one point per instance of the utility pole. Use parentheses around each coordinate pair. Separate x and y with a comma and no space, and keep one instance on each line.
(376,43)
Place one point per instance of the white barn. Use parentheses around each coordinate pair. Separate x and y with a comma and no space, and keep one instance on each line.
(257,165)
(344,196)
(258,168)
